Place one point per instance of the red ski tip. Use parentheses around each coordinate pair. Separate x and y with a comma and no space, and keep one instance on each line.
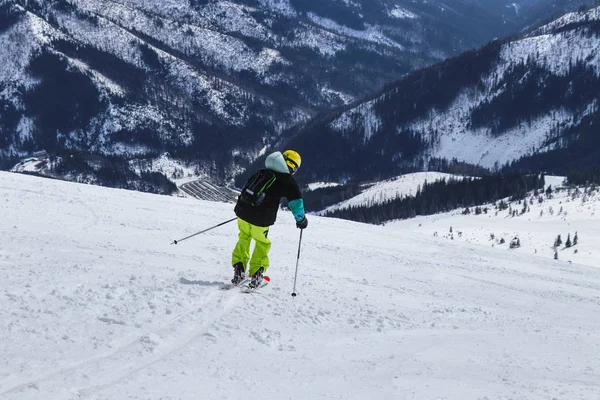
(266,278)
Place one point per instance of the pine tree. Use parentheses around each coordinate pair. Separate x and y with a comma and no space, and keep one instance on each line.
(575,239)
(555,255)
(558,241)
(502,205)
(568,242)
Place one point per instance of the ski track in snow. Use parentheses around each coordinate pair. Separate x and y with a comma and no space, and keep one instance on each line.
(92,307)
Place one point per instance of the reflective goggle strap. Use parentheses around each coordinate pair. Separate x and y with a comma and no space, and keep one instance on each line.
(293,162)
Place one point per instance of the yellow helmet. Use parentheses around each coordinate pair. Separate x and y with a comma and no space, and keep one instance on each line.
(293,160)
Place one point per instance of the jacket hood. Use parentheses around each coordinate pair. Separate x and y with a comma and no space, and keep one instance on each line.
(276,162)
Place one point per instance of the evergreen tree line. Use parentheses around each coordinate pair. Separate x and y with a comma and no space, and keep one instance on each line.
(529,91)
(319,199)
(443,196)
(10,117)
(584,176)
(64,101)
(580,151)
(456,167)
(111,171)
(9,15)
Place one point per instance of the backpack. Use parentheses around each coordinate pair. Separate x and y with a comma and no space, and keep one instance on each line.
(254,190)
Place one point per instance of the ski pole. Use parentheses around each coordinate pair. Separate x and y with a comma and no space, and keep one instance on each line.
(297,261)
(206,230)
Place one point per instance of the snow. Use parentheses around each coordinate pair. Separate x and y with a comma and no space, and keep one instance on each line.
(205,42)
(455,139)
(449,129)
(280,6)
(336,95)
(31,164)
(227,16)
(18,45)
(553,52)
(109,87)
(21,42)
(326,43)
(569,18)
(553,181)
(370,34)
(25,128)
(129,117)
(402,13)
(107,35)
(321,185)
(191,41)
(364,116)
(174,169)
(514,6)
(92,307)
(565,213)
(390,189)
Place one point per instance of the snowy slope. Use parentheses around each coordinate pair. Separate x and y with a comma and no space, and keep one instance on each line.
(569,211)
(390,189)
(92,307)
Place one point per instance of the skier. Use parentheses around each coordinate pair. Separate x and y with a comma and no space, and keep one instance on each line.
(254,219)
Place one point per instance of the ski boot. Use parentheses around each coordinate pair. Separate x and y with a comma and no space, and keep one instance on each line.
(257,279)
(238,273)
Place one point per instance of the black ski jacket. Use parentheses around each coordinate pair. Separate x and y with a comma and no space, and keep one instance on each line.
(265,214)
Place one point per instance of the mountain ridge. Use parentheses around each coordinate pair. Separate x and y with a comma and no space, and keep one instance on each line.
(510,99)
(210,83)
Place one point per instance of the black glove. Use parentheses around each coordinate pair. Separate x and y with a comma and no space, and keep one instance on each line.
(302,224)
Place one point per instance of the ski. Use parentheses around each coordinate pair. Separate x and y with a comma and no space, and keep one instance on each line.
(229,286)
(246,289)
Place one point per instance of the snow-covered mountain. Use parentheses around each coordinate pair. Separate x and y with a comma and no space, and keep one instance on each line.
(211,82)
(93,307)
(401,186)
(534,96)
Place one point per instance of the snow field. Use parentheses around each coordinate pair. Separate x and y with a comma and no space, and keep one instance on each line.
(566,213)
(92,307)
(399,187)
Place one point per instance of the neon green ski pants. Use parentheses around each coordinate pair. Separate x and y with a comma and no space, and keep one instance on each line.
(260,254)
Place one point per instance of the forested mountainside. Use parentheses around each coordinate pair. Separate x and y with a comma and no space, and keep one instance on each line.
(529,102)
(211,82)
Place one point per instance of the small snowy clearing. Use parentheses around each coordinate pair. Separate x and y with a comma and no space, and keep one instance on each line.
(390,189)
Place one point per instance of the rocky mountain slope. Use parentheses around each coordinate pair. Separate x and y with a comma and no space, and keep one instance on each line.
(211,82)
(532,99)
